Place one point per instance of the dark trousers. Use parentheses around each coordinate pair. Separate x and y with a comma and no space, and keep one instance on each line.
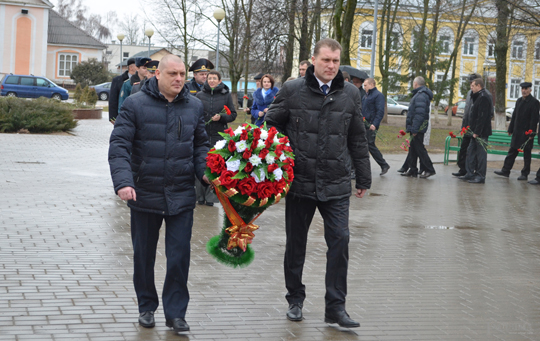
(373,150)
(417,150)
(406,165)
(462,156)
(511,158)
(538,175)
(476,158)
(144,235)
(298,216)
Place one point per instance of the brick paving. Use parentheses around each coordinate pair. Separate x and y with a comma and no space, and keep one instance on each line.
(434,259)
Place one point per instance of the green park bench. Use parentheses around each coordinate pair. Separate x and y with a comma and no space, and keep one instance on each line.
(499,143)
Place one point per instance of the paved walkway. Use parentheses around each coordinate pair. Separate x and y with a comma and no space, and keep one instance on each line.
(429,259)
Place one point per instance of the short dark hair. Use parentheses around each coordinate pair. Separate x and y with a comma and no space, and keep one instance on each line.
(214,72)
(346,75)
(272,81)
(332,44)
(479,81)
(305,62)
(370,81)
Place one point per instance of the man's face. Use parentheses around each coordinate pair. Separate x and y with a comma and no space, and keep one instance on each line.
(326,64)
(213,81)
(475,87)
(525,92)
(171,78)
(258,83)
(357,82)
(368,86)
(132,68)
(200,77)
(415,85)
(302,70)
(150,74)
(143,72)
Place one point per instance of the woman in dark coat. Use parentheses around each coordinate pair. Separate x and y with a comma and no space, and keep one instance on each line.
(214,96)
(262,98)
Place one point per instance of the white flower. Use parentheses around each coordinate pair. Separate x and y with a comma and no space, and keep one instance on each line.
(287,144)
(258,177)
(255,160)
(278,173)
(276,139)
(264,134)
(270,159)
(238,130)
(241,146)
(282,158)
(220,144)
(260,143)
(233,166)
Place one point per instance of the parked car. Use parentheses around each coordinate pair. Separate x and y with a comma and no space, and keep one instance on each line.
(394,108)
(103,90)
(30,86)
(509,112)
(401,99)
(240,94)
(458,109)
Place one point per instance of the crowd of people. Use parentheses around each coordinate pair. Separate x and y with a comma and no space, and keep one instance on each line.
(164,128)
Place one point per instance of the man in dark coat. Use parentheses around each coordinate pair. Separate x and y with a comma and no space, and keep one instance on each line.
(416,124)
(373,106)
(157,148)
(479,130)
(321,115)
(524,120)
(358,82)
(214,96)
(536,181)
(200,71)
(125,92)
(116,86)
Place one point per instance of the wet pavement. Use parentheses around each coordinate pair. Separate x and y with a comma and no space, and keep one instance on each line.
(430,258)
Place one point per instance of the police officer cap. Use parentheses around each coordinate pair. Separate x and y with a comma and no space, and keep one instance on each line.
(131,61)
(202,64)
(259,76)
(526,85)
(152,65)
(142,61)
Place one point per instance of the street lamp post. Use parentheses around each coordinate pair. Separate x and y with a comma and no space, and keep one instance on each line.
(149,33)
(219,14)
(121,37)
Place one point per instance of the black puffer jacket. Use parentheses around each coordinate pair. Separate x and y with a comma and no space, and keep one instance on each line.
(418,114)
(323,130)
(524,118)
(157,147)
(480,115)
(213,102)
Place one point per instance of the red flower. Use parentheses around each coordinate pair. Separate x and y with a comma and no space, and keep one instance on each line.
(226,180)
(290,174)
(263,153)
(265,189)
(247,185)
(254,144)
(284,139)
(249,168)
(289,161)
(402,132)
(272,167)
(227,110)
(280,185)
(520,150)
(216,163)
(452,134)
(528,132)
(245,97)
(256,134)
(229,131)
(231,146)
(244,135)
(247,154)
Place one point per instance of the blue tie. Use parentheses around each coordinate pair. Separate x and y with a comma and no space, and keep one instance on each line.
(324,88)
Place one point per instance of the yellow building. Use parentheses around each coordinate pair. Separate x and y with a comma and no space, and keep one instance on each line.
(475,54)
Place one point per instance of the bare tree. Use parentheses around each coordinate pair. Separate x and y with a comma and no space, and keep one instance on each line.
(77,14)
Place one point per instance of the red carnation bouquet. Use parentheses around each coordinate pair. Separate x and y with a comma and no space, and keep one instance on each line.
(251,169)
(223,112)
(529,133)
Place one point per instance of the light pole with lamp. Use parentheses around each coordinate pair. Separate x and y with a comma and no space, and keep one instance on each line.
(219,14)
(121,37)
(149,33)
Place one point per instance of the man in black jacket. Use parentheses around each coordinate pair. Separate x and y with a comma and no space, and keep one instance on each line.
(116,85)
(321,115)
(522,128)
(479,130)
(157,147)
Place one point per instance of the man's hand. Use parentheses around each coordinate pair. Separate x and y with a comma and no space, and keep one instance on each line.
(372,127)
(475,136)
(414,134)
(247,109)
(261,113)
(205,178)
(360,193)
(127,193)
(509,134)
(216,117)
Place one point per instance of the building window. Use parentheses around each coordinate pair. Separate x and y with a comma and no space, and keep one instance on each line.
(517,49)
(367,38)
(469,46)
(445,44)
(66,63)
(515,89)
(537,51)
(394,41)
(536,89)
(491,47)
(126,55)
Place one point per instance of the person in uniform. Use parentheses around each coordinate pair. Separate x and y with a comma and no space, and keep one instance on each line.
(128,84)
(524,119)
(151,68)
(116,87)
(200,71)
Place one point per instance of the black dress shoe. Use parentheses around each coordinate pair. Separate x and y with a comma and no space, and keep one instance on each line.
(341,318)
(146,319)
(458,174)
(477,180)
(201,202)
(384,170)
(522,178)
(209,203)
(178,324)
(402,170)
(409,173)
(295,312)
(427,175)
(466,177)
(534,182)
(501,173)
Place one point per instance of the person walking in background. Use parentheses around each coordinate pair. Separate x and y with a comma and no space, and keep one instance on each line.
(373,110)
(522,128)
(125,92)
(157,147)
(303,67)
(200,71)
(215,95)
(321,115)
(151,68)
(116,87)
(416,124)
(262,98)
